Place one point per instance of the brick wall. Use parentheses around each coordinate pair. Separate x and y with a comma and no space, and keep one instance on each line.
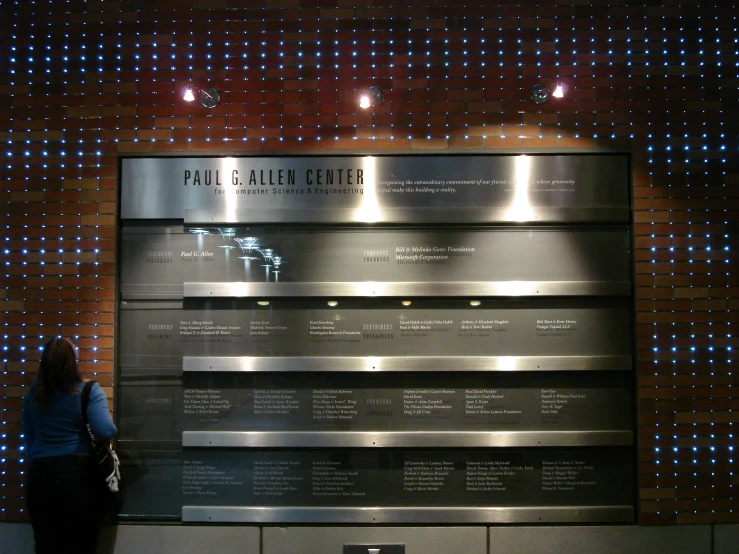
(83,82)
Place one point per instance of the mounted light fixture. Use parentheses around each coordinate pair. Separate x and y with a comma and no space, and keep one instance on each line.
(371,97)
(540,94)
(209,97)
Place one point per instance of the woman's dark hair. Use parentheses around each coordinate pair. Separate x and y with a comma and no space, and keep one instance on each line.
(57,371)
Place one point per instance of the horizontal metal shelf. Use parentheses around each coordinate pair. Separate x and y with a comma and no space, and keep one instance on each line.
(172,292)
(385,214)
(403,439)
(406,363)
(385,515)
(125,445)
(158,366)
(407,289)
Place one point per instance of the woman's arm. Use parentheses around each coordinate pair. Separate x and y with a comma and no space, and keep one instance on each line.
(98,414)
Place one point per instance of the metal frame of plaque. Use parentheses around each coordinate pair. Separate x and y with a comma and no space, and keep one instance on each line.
(223,261)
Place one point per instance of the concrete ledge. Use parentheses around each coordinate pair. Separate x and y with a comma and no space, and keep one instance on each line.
(17,538)
(622,539)
(182,539)
(725,539)
(417,540)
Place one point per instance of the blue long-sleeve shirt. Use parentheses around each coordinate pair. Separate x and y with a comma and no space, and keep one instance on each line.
(59,429)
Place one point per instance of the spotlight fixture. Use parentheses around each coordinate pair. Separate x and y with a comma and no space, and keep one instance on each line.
(371,97)
(541,94)
(209,97)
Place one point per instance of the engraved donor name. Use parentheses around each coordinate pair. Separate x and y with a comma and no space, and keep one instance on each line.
(196,254)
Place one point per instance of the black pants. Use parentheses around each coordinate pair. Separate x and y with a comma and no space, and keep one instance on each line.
(64,505)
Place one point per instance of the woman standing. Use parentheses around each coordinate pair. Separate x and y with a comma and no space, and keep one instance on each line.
(63,498)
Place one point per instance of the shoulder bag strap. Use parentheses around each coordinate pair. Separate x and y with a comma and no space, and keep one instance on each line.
(85,401)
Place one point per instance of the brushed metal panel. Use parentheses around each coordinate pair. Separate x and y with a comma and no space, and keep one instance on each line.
(511,187)
(407,439)
(406,401)
(415,363)
(159,263)
(437,289)
(385,515)
(575,332)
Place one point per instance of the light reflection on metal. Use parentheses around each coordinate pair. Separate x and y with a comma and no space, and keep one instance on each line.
(251,251)
(247,243)
(516,288)
(369,208)
(225,166)
(520,208)
(507,363)
(227,235)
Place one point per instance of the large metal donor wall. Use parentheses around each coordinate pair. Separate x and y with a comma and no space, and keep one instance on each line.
(376,339)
